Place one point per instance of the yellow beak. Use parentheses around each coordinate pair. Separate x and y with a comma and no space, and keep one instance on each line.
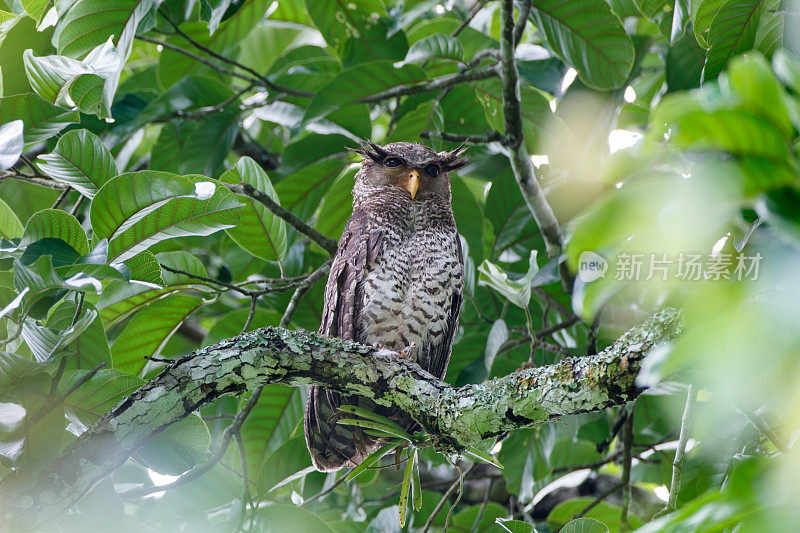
(411,183)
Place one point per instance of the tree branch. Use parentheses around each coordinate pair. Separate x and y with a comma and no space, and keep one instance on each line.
(517,152)
(435,84)
(454,417)
(329,245)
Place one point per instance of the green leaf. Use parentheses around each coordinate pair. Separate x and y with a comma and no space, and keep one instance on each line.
(88,349)
(52,77)
(751,79)
(290,458)
(732,32)
(273,420)
(144,267)
(57,224)
(81,160)
(89,23)
(369,415)
(518,292)
(46,341)
(10,226)
(483,456)
(42,120)
(406,486)
(258,231)
(585,525)
(359,82)
(14,367)
(590,39)
(177,448)
(98,395)
(371,459)
(10,143)
(35,8)
(149,330)
(436,46)
(389,431)
(703,14)
(303,191)
(338,19)
(61,253)
(286,517)
(137,210)
(514,526)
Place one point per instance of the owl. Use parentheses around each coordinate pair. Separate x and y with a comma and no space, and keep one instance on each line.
(396,282)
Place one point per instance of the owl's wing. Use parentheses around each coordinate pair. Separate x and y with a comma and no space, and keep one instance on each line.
(437,355)
(358,247)
(332,445)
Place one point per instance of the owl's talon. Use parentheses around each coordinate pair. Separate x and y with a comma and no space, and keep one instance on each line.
(406,352)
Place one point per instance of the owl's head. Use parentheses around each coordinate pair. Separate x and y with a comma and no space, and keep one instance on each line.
(413,168)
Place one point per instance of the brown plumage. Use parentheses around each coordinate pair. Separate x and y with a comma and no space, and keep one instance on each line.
(396,281)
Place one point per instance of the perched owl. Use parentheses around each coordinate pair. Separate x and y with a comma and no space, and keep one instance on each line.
(396,281)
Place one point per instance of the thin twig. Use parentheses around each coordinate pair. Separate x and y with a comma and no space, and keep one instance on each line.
(300,291)
(602,496)
(245,480)
(198,471)
(478,6)
(250,315)
(627,461)
(274,87)
(77,206)
(522,21)
(42,181)
(61,198)
(327,491)
(446,496)
(435,84)
(680,453)
(329,245)
(484,138)
(200,59)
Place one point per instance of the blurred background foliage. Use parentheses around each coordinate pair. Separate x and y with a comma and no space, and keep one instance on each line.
(656,127)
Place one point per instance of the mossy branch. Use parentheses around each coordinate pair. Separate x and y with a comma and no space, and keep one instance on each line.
(455,417)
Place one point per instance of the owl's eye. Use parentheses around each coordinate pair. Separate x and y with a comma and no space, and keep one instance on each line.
(432,170)
(392,162)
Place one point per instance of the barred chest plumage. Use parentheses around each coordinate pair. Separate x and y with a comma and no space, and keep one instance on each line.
(407,291)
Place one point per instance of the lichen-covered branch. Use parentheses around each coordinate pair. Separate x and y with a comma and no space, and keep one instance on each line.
(454,417)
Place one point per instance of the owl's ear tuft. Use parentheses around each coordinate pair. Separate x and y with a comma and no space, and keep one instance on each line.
(371,150)
(454,159)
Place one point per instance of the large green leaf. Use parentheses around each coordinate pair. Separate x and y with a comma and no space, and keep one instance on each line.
(88,349)
(89,23)
(149,329)
(52,77)
(137,210)
(96,396)
(81,160)
(273,420)
(177,448)
(436,46)
(732,32)
(588,37)
(258,231)
(359,82)
(303,191)
(145,267)
(10,143)
(42,120)
(198,146)
(703,14)
(10,226)
(56,224)
(338,19)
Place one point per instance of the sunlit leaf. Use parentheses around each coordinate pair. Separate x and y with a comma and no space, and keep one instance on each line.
(81,161)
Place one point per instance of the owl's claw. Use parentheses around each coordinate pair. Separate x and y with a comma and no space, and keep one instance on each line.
(406,352)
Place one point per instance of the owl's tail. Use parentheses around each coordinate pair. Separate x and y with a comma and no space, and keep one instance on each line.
(333,445)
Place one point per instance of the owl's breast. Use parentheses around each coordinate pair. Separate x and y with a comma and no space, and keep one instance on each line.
(406,292)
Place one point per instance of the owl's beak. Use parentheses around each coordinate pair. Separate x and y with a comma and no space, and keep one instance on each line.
(411,183)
